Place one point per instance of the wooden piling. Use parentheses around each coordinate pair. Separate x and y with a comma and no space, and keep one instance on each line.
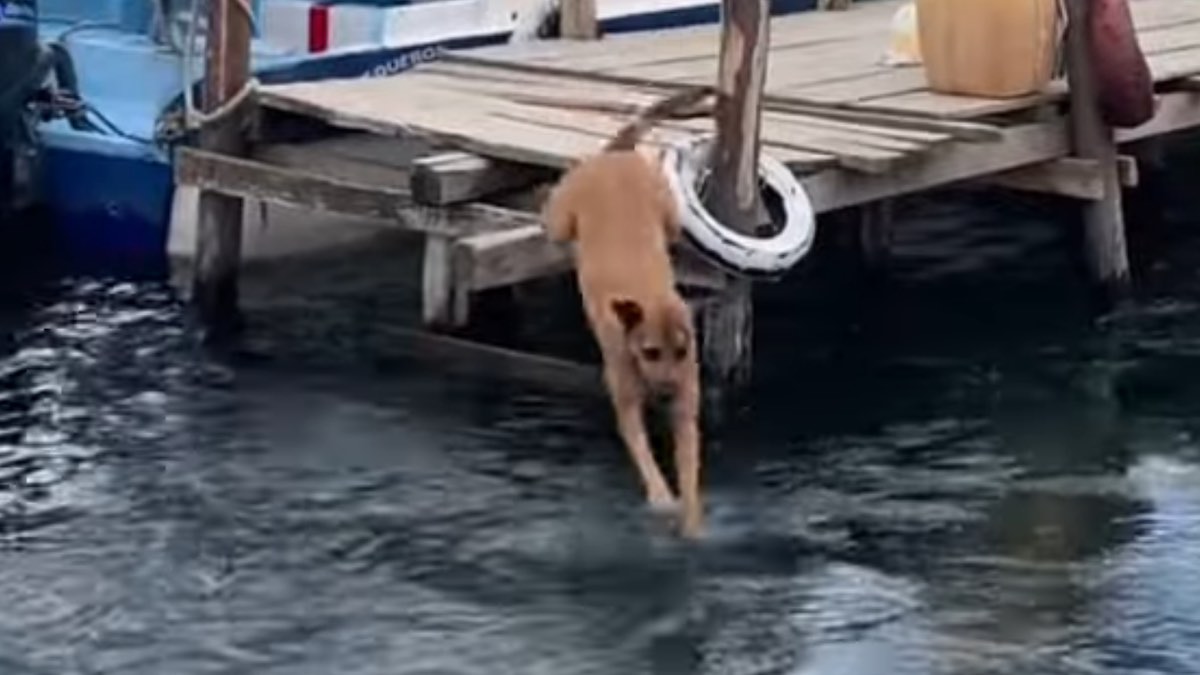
(219,229)
(577,20)
(1092,139)
(873,235)
(727,320)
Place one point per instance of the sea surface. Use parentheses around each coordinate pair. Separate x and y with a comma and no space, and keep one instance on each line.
(959,468)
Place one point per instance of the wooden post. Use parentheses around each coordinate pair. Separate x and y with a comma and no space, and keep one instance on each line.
(219,230)
(577,20)
(874,235)
(1103,220)
(727,320)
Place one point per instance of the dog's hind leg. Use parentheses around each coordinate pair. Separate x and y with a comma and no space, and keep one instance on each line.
(685,421)
(627,404)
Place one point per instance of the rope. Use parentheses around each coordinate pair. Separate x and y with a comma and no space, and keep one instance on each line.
(193,117)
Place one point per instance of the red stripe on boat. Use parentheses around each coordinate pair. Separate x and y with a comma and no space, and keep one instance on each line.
(318,28)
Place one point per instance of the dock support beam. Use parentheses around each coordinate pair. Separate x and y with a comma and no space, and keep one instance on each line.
(727,321)
(219,230)
(1092,139)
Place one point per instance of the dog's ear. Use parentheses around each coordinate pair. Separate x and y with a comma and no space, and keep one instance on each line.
(628,312)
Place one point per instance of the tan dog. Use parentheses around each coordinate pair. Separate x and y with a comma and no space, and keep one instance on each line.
(615,206)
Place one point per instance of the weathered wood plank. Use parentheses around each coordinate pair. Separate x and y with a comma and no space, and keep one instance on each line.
(909,119)
(457,177)
(1022,145)
(343,158)
(1067,177)
(506,257)
(290,187)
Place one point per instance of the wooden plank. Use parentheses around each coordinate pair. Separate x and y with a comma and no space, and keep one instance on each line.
(1068,177)
(819,143)
(444,120)
(290,187)
(506,257)
(901,119)
(1022,145)
(338,157)
(457,177)
(251,179)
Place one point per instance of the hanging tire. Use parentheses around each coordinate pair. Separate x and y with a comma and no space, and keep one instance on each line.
(684,165)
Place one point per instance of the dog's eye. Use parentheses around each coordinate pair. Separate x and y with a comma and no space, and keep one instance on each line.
(652,353)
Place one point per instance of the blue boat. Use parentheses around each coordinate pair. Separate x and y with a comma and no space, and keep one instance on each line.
(108,186)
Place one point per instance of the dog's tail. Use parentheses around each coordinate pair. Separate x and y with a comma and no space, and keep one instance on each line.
(681,104)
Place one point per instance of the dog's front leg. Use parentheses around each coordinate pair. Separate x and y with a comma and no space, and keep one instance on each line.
(685,422)
(627,404)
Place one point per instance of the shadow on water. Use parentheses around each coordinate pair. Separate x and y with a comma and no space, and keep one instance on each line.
(957,471)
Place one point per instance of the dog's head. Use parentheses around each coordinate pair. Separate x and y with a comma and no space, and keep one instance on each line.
(660,340)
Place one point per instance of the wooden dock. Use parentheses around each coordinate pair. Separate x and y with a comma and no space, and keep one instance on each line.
(492,125)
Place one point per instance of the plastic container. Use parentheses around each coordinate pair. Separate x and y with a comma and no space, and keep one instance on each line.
(988,48)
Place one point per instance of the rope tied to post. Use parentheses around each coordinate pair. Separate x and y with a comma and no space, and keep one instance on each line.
(194,118)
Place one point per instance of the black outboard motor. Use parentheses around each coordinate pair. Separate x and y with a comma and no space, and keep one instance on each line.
(24,66)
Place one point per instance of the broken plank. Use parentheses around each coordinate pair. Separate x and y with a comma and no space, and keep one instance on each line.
(456,177)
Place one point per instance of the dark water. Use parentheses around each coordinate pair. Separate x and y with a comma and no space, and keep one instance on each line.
(960,472)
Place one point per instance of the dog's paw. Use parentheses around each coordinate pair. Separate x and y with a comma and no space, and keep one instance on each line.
(662,504)
(691,528)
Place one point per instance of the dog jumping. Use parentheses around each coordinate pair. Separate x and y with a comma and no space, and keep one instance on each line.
(617,210)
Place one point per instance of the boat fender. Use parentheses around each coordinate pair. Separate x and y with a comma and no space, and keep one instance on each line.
(1124,85)
(741,254)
